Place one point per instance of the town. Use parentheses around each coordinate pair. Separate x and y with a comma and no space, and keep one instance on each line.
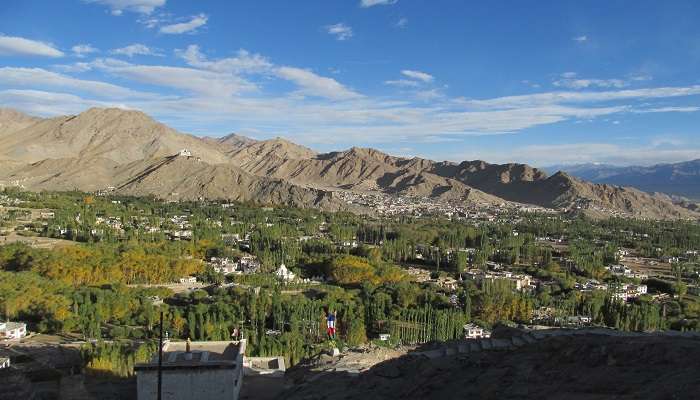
(265,278)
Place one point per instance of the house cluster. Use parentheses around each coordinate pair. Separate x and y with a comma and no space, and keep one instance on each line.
(6,200)
(187,280)
(247,264)
(111,222)
(12,330)
(388,205)
(590,285)
(520,282)
(623,270)
(573,320)
(629,291)
(182,228)
(419,275)
(473,331)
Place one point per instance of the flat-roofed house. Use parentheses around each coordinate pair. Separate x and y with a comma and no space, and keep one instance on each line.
(12,330)
(194,370)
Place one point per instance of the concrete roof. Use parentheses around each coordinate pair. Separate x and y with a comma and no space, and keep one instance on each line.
(8,326)
(222,354)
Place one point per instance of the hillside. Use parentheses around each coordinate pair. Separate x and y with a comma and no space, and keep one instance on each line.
(115,134)
(12,121)
(681,179)
(127,149)
(583,367)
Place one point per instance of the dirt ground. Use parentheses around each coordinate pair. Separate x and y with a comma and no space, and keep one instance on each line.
(35,241)
(578,368)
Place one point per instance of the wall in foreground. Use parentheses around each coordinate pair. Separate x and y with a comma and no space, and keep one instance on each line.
(187,384)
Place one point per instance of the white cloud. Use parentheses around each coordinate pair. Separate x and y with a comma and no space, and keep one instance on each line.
(195,22)
(38,102)
(315,85)
(75,67)
(189,79)
(136,49)
(41,78)
(586,83)
(667,109)
(233,92)
(402,83)
(118,7)
(606,153)
(548,98)
(80,50)
(418,75)
(371,3)
(18,46)
(401,23)
(580,39)
(243,62)
(340,31)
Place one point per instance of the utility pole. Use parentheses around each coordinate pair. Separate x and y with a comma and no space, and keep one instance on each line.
(160,359)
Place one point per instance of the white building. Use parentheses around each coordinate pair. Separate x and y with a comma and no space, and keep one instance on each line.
(472,331)
(185,153)
(188,279)
(13,330)
(194,370)
(4,362)
(284,274)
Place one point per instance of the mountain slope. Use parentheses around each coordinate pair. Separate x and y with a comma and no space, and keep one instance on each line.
(115,134)
(127,149)
(185,178)
(12,121)
(681,179)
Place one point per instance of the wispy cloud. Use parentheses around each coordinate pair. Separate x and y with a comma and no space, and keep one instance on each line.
(580,39)
(240,91)
(242,62)
(40,78)
(605,153)
(191,80)
(190,26)
(19,46)
(312,84)
(135,50)
(402,83)
(401,23)
(372,3)
(81,50)
(418,75)
(117,7)
(570,80)
(340,31)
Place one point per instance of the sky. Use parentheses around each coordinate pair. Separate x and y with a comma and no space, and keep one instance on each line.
(541,82)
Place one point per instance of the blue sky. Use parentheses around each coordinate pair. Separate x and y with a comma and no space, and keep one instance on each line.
(542,82)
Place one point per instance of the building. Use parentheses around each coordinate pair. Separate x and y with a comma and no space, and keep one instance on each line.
(185,153)
(272,367)
(284,274)
(4,362)
(472,331)
(12,330)
(188,279)
(194,370)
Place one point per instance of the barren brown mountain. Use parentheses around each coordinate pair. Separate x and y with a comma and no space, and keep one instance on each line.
(133,153)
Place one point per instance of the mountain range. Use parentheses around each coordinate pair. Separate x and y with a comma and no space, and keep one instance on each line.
(132,153)
(679,179)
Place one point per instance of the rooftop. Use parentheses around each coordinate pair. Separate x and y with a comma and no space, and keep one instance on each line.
(8,326)
(222,354)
